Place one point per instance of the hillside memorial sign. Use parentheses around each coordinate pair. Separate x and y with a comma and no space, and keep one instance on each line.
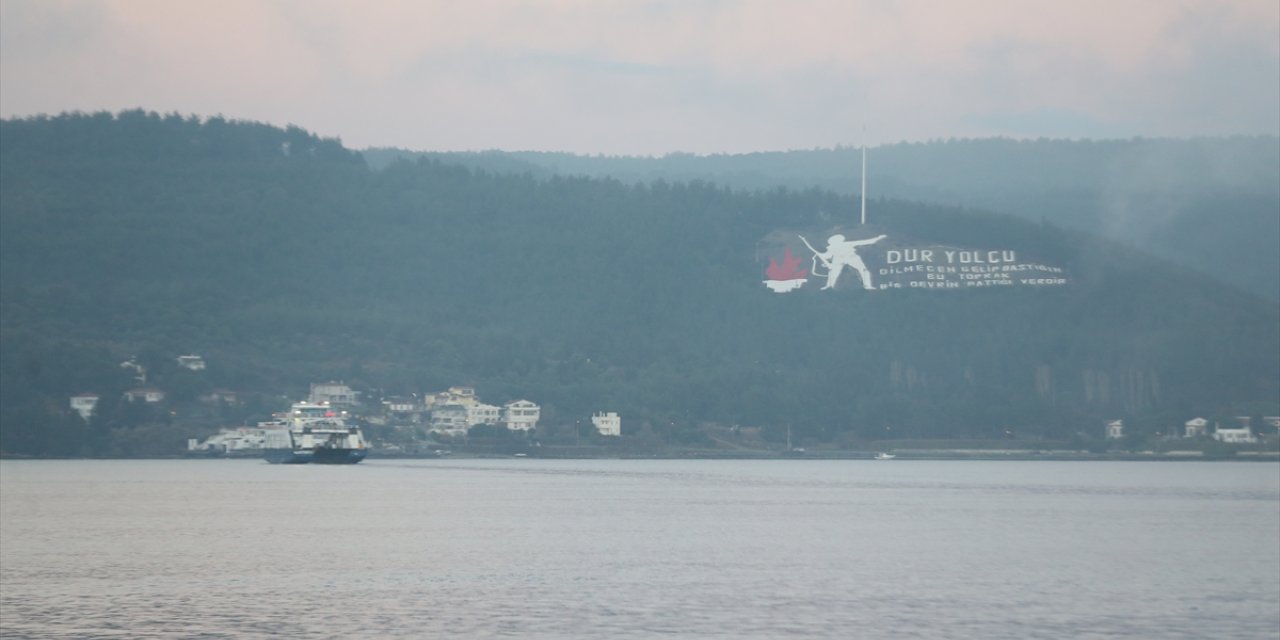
(859,259)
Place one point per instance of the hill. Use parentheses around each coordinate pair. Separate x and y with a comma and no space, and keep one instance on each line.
(283,259)
(1212,204)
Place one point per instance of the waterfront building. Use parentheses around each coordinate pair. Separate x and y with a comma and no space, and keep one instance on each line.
(481,413)
(1115,429)
(192,362)
(450,419)
(149,395)
(334,394)
(521,415)
(84,404)
(402,409)
(219,396)
(608,424)
(1196,428)
(463,396)
(1241,435)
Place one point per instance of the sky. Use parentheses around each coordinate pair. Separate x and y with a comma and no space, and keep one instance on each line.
(620,77)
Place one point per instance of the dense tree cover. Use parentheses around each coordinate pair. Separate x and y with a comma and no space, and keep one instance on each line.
(283,259)
(1212,204)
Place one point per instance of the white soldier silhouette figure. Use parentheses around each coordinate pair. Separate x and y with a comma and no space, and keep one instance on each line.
(842,253)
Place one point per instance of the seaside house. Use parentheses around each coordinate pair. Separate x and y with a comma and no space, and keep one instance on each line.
(1240,435)
(481,413)
(403,408)
(192,362)
(84,404)
(218,396)
(1196,428)
(521,415)
(463,396)
(608,424)
(1115,429)
(449,419)
(400,404)
(334,394)
(149,395)
(459,408)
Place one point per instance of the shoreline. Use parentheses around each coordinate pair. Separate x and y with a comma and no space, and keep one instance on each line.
(900,455)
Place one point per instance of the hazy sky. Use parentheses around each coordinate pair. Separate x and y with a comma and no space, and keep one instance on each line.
(631,77)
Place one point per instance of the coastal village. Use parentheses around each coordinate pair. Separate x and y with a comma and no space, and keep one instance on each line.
(445,417)
(432,423)
(441,418)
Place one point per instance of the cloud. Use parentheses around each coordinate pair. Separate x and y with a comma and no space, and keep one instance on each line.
(653,77)
(1041,122)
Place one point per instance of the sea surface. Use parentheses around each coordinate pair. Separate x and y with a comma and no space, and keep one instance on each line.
(532,548)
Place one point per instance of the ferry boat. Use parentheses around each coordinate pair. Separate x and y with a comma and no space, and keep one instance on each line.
(885,456)
(232,442)
(315,433)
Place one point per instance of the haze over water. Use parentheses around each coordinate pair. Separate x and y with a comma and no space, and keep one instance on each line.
(637,548)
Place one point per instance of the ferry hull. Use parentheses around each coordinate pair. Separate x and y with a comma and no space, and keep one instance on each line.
(287,456)
(338,456)
(316,456)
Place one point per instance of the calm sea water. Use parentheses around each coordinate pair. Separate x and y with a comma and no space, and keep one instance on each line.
(621,548)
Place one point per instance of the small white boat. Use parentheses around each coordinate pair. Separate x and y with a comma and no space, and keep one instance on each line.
(885,456)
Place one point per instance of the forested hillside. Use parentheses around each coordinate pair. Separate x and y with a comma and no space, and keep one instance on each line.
(283,259)
(1212,204)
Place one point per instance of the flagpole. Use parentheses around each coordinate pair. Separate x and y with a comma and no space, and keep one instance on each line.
(864,182)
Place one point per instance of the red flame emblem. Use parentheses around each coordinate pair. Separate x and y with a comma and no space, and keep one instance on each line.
(788,270)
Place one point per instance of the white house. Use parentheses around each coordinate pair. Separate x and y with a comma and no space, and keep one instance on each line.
(401,408)
(481,413)
(219,396)
(463,396)
(84,404)
(450,419)
(1242,435)
(401,405)
(1196,428)
(149,395)
(521,415)
(608,424)
(335,394)
(1115,429)
(192,362)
